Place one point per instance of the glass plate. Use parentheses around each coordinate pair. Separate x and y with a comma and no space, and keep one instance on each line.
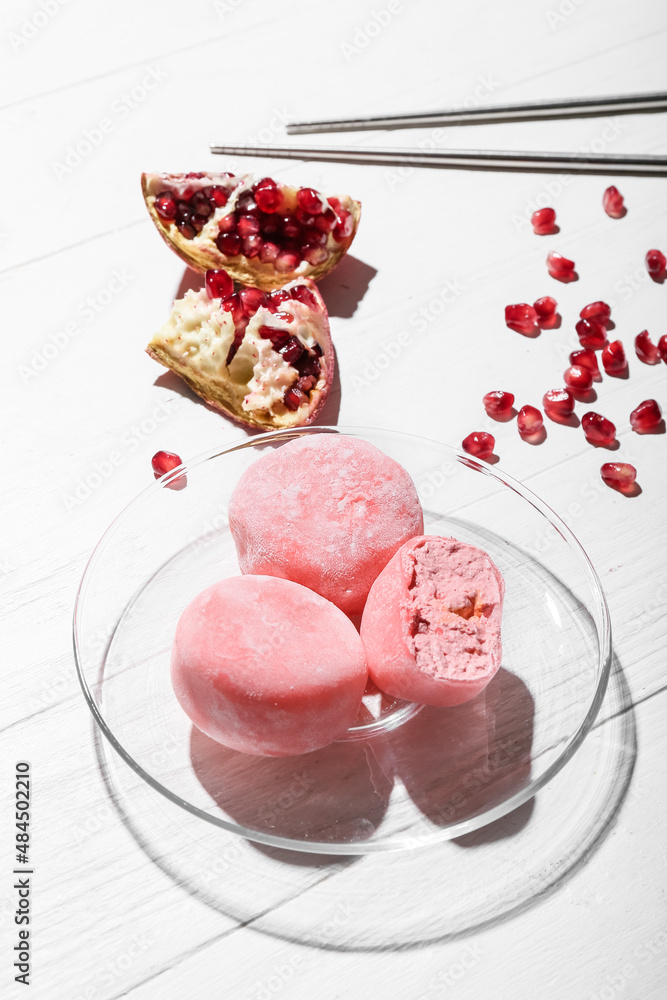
(404,776)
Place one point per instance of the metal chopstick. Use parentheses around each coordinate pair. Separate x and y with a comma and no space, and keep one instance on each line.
(533,111)
(601,163)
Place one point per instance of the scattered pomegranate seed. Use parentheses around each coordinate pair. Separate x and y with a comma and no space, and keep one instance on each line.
(598,429)
(656,262)
(646,416)
(612,202)
(165,461)
(578,378)
(521,317)
(599,311)
(613,358)
(165,206)
(560,267)
(645,349)
(543,221)
(619,475)
(479,443)
(268,195)
(662,348)
(591,334)
(498,404)
(546,311)
(558,403)
(586,359)
(529,421)
(218,284)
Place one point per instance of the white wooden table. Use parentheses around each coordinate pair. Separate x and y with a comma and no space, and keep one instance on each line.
(131,897)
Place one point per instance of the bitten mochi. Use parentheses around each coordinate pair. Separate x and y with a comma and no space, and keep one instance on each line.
(265,666)
(431,625)
(327,511)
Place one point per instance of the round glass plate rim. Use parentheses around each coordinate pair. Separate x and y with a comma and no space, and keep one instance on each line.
(465,826)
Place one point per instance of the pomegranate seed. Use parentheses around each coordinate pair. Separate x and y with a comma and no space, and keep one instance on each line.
(591,333)
(252,245)
(344,225)
(246,204)
(291,228)
(619,475)
(308,365)
(521,317)
(598,429)
(165,461)
(292,350)
(314,254)
(543,221)
(646,416)
(306,383)
(479,443)
(529,421)
(218,284)
(229,244)
(287,262)
(233,304)
(645,349)
(586,359)
(305,218)
(578,378)
(656,262)
(252,299)
(662,348)
(546,311)
(560,267)
(303,294)
(335,203)
(248,225)
(217,196)
(558,403)
(326,221)
(293,398)
(165,206)
(234,346)
(613,358)
(498,404)
(309,201)
(268,195)
(227,223)
(276,298)
(314,235)
(277,337)
(612,202)
(599,311)
(269,253)
(200,205)
(187,230)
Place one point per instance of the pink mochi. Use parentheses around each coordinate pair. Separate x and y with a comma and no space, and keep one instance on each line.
(327,511)
(265,666)
(431,625)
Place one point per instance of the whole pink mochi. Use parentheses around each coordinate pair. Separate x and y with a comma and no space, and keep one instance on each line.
(265,666)
(431,626)
(327,511)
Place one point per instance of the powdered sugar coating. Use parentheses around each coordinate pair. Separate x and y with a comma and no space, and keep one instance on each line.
(327,511)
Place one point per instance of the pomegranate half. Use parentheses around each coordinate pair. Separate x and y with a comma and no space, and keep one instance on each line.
(264,359)
(263,233)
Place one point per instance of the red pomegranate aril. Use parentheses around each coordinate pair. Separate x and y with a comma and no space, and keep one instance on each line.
(326,221)
(229,244)
(304,218)
(598,429)
(277,297)
(558,403)
(662,348)
(291,228)
(252,246)
(247,225)
(165,206)
(645,349)
(498,403)
(234,346)
(187,230)
(303,294)
(521,317)
(309,201)
(646,416)
(217,196)
(344,225)
(286,262)
(560,267)
(479,443)
(268,195)
(233,304)
(306,383)
(246,204)
(314,254)
(619,475)
(269,253)
(252,299)
(545,309)
(228,223)
(218,284)
(293,398)
(613,358)
(578,378)
(612,202)
(529,421)
(599,311)
(292,350)
(308,365)
(586,359)
(656,262)
(200,204)
(312,234)
(591,333)
(164,461)
(277,337)
(543,221)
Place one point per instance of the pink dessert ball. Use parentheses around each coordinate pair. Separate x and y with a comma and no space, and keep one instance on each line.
(327,511)
(431,626)
(265,666)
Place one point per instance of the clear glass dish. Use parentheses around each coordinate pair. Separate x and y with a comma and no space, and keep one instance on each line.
(404,776)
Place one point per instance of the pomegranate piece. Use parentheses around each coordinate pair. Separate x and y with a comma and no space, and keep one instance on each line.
(521,317)
(656,262)
(591,334)
(645,349)
(560,267)
(546,311)
(586,359)
(479,443)
(529,421)
(646,416)
(598,429)
(264,233)
(662,348)
(579,378)
(619,475)
(498,404)
(598,311)
(614,360)
(558,404)
(218,284)
(165,461)
(543,221)
(612,202)
(239,354)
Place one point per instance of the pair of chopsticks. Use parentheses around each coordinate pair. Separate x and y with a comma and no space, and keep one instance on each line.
(489,159)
